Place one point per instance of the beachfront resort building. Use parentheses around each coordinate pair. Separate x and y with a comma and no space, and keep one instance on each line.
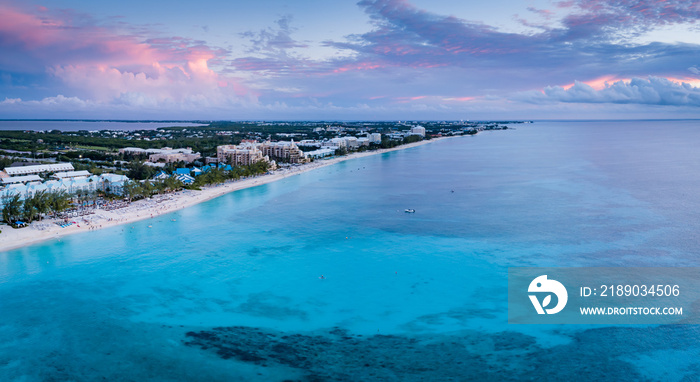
(337,143)
(244,154)
(418,130)
(320,153)
(284,151)
(111,183)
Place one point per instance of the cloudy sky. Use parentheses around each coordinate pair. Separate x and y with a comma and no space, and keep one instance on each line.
(349,60)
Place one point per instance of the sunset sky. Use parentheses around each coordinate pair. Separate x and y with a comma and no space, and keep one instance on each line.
(349,60)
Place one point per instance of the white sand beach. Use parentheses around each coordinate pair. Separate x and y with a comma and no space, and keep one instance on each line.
(161,204)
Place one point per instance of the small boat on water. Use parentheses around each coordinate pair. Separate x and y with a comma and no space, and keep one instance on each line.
(409,210)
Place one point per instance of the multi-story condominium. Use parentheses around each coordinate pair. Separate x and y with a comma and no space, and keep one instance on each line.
(418,130)
(240,155)
(285,151)
(351,142)
(336,143)
(375,138)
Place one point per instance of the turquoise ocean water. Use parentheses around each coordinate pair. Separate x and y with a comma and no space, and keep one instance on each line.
(231,289)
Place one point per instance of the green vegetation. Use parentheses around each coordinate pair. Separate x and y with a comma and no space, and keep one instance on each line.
(35,207)
(4,162)
(138,190)
(139,171)
(217,176)
(134,190)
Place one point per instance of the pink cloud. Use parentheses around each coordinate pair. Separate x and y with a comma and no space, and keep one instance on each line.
(109,66)
(358,66)
(50,38)
(597,83)
(460,99)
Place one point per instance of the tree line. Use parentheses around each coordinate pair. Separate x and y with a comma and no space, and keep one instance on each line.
(51,203)
(34,207)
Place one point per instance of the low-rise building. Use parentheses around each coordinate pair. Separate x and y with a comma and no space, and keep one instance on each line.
(309,143)
(320,153)
(111,183)
(71,174)
(38,169)
(20,179)
(166,154)
(171,156)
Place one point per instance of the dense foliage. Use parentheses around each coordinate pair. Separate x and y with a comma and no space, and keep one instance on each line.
(34,207)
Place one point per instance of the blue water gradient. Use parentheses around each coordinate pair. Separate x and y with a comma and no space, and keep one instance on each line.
(231,288)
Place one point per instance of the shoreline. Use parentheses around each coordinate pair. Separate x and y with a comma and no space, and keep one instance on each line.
(148,208)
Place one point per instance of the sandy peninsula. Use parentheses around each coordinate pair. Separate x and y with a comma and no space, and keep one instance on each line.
(162,204)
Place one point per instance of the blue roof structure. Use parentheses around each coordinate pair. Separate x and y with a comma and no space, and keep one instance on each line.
(161,175)
(182,171)
(184,178)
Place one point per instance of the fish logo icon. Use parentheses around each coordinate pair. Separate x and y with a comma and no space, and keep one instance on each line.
(542,284)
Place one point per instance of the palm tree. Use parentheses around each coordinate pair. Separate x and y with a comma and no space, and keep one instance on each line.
(29,209)
(148,189)
(131,189)
(172,183)
(59,201)
(41,203)
(12,209)
(159,186)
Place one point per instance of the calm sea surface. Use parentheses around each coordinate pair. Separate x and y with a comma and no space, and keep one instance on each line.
(231,289)
(88,125)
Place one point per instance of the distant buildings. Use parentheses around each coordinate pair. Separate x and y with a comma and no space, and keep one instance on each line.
(172,156)
(418,130)
(338,143)
(320,153)
(166,154)
(375,138)
(351,142)
(309,143)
